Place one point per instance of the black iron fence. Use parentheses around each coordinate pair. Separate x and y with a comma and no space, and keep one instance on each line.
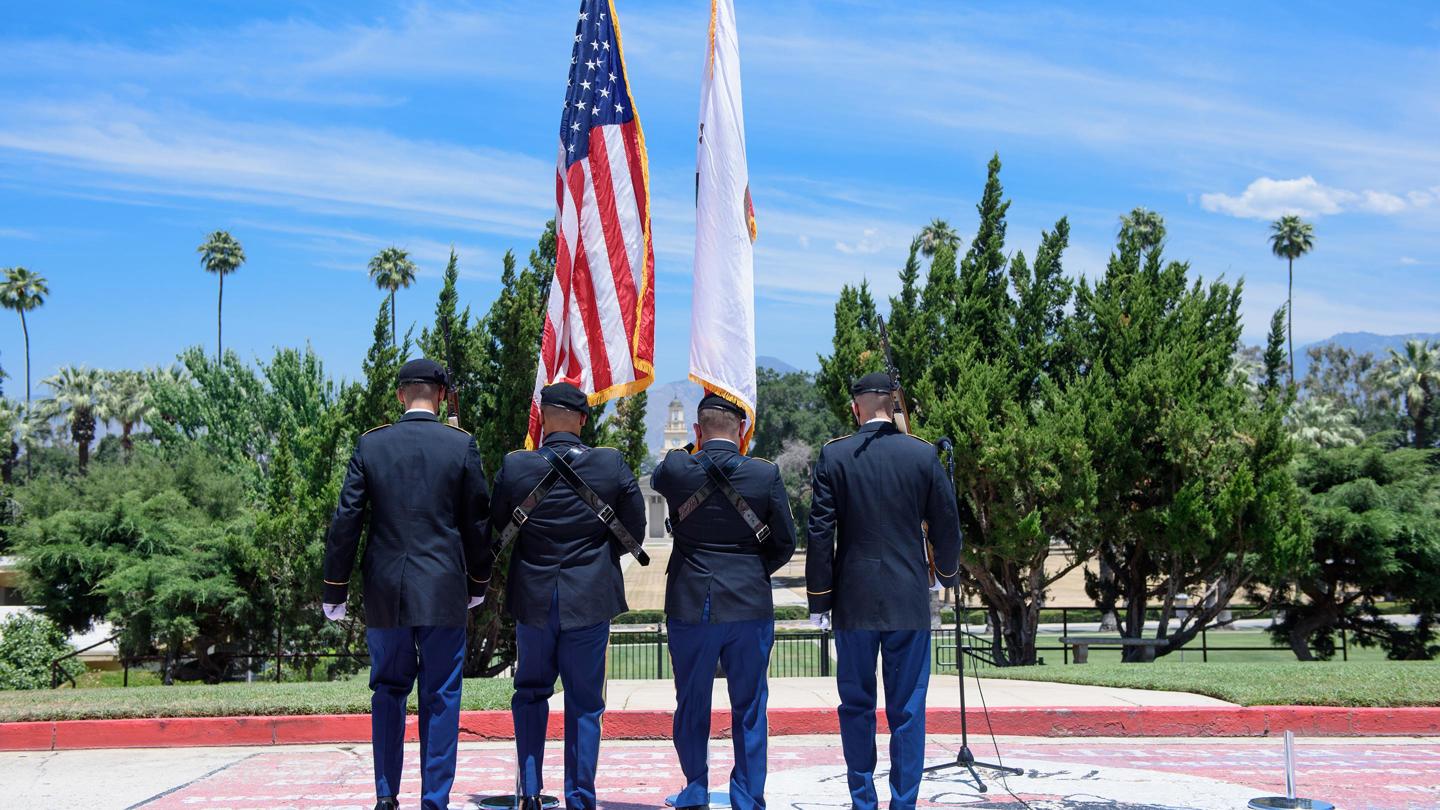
(1077,619)
(641,651)
(266,666)
(644,654)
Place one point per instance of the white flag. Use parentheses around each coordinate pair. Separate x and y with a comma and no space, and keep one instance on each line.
(722,315)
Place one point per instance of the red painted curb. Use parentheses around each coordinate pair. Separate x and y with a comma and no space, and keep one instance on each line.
(1149,721)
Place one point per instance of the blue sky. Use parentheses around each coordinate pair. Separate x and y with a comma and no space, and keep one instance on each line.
(319,132)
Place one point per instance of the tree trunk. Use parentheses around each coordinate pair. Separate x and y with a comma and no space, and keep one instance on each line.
(219,322)
(1290,319)
(26,329)
(1109,622)
(394,339)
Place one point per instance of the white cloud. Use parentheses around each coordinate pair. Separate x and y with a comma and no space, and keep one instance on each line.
(1267,198)
(312,169)
(867,243)
(1409,260)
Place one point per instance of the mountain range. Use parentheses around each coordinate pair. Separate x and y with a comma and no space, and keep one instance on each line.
(1360,342)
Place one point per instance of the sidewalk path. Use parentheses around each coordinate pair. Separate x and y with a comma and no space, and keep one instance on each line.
(806,773)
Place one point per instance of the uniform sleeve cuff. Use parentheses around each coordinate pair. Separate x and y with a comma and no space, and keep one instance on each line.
(478,587)
(820,602)
(336,593)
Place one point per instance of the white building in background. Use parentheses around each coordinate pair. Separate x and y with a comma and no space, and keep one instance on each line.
(675,436)
(677,433)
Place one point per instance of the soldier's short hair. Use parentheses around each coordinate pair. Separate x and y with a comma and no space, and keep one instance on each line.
(718,420)
(412,389)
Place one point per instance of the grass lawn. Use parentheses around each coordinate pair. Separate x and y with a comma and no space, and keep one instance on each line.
(227,699)
(1336,683)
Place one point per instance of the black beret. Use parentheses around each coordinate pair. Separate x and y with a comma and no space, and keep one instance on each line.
(874,383)
(564,395)
(720,403)
(422,371)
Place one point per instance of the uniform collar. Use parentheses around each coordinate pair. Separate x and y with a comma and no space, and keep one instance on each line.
(878,425)
(561,437)
(720,444)
(418,416)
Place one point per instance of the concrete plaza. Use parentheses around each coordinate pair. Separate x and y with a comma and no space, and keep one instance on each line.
(807,773)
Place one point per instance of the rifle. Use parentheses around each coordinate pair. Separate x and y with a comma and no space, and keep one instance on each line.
(902,412)
(902,421)
(452,388)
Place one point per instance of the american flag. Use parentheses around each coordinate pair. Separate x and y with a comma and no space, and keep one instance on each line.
(600,319)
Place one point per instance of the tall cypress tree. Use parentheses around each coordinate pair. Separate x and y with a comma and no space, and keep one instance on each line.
(856,349)
(628,431)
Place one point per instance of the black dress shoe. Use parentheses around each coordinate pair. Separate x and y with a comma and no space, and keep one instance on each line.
(387,803)
(531,803)
(693,807)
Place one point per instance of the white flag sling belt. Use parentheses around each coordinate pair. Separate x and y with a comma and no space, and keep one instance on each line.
(720,482)
(560,469)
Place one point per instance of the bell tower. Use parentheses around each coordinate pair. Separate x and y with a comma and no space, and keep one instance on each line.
(676,433)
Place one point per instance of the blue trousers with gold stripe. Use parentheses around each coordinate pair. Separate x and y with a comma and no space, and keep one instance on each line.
(743,648)
(905,661)
(399,656)
(578,657)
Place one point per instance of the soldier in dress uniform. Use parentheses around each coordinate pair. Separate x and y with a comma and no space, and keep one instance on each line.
(718,605)
(419,487)
(564,584)
(876,493)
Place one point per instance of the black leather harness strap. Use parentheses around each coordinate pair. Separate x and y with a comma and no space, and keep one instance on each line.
(522,513)
(561,466)
(720,482)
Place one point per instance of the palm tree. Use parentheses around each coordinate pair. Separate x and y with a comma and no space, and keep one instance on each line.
(1290,238)
(391,269)
(21,291)
(1317,422)
(938,233)
(125,400)
(157,379)
(1146,226)
(77,393)
(15,421)
(221,255)
(1416,374)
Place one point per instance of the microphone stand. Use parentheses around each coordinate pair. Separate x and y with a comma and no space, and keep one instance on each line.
(965,758)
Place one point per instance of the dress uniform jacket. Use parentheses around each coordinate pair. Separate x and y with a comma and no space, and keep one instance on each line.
(423,486)
(715,552)
(866,558)
(564,546)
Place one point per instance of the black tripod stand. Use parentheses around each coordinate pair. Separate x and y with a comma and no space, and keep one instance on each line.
(965,758)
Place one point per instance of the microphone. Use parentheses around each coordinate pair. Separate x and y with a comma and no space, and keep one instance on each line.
(944,443)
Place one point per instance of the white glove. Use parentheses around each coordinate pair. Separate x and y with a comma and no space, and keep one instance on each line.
(821,620)
(937,587)
(475,601)
(334,613)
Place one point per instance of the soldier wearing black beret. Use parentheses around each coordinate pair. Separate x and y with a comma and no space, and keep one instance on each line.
(875,495)
(718,604)
(418,486)
(564,584)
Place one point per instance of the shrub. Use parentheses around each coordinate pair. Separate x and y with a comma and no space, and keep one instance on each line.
(28,643)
